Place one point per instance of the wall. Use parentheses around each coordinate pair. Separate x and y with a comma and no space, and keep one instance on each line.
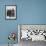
(28,12)
(33,27)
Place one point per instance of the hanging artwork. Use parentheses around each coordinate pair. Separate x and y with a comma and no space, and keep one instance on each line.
(12,38)
(10,12)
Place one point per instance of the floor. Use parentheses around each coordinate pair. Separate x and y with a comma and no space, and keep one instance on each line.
(28,43)
(7,45)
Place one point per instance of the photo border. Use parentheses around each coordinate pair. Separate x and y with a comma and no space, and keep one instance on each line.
(5,12)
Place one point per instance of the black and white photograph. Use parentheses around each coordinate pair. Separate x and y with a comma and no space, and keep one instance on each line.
(10,12)
(29,34)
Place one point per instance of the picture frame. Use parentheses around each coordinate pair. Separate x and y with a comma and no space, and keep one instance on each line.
(10,12)
(39,28)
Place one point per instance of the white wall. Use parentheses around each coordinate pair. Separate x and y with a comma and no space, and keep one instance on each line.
(40,27)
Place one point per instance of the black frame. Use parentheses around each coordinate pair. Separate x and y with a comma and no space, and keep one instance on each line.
(6,13)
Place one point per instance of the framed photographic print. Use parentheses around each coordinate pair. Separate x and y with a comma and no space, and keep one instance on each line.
(10,12)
